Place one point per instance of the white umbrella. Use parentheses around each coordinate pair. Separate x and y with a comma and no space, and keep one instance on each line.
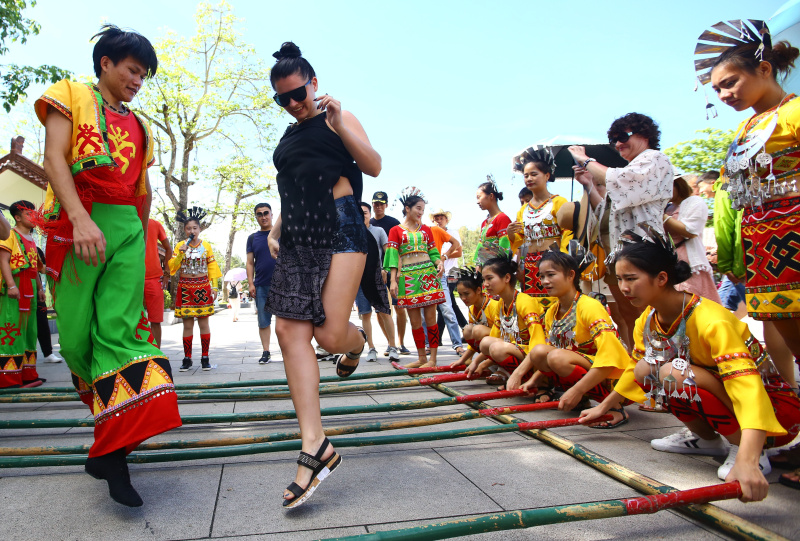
(235,275)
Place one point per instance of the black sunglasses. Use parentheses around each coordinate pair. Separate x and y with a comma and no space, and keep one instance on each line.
(622,137)
(298,95)
(262,214)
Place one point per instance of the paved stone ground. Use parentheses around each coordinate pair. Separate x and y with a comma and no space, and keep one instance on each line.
(376,488)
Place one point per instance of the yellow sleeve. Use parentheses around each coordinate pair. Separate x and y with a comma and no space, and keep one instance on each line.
(9,244)
(517,238)
(566,234)
(741,378)
(610,352)
(214,273)
(530,311)
(58,96)
(627,385)
(177,257)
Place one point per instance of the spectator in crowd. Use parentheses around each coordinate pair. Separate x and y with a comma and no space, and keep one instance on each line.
(43,325)
(386,222)
(638,192)
(156,277)
(449,245)
(260,265)
(383,311)
(525,195)
(685,226)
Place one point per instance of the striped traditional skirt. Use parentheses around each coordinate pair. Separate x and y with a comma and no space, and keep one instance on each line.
(771,240)
(194,298)
(419,286)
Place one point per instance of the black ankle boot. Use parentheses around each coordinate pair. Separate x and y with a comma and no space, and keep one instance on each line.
(113,468)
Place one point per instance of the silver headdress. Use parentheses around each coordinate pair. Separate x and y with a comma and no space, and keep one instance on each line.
(536,153)
(408,192)
(722,37)
(194,213)
(467,273)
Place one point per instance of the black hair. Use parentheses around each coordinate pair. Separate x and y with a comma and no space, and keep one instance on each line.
(365,204)
(503,266)
(780,56)
(410,201)
(262,205)
(525,192)
(119,44)
(565,263)
(289,62)
(189,220)
(709,176)
(654,259)
(683,187)
(489,188)
(18,207)
(638,124)
(543,167)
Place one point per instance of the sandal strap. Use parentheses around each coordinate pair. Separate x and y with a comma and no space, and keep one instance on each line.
(308,461)
(295,489)
(323,446)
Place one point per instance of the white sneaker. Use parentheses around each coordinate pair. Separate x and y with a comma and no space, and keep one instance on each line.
(725,469)
(372,356)
(688,443)
(52,358)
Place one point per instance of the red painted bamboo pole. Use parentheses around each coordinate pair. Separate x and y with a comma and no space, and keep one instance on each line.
(557,423)
(504,410)
(443,378)
(491,396)
(658,502)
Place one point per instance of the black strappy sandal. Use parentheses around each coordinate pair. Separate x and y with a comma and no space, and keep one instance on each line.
(320,471)
(608,425)
(346,370)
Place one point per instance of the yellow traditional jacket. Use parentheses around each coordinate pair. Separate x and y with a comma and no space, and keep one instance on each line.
(20,259)
(723,345)
(593,337)
(520,324)
(82,103)
(205,253)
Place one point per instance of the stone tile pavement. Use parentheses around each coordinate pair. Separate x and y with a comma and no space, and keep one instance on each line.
(376,488)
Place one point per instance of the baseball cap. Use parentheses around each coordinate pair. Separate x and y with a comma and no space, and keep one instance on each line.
(380,197)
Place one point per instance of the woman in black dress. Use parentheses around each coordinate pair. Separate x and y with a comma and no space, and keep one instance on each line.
(322,250)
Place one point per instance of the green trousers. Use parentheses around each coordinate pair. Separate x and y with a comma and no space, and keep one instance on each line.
(106,341)
(18,333)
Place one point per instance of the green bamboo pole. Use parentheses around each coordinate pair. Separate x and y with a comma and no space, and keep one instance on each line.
(378,426)
(272,447)
(244,417)
(256,382)
(559,514)
(731,524)
(232,395)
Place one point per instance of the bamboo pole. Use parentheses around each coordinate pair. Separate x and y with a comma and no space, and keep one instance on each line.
(378,426)
(272,447)
(256,382)
(280,415)
(731,524)
(558,514)
(245,394)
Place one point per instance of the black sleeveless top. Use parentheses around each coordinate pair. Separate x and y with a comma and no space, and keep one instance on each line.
(310,158)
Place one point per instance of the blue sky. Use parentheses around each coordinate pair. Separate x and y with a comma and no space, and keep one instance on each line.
(449,91)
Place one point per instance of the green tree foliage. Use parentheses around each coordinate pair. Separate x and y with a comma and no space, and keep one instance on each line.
(236,181)
(14,79)
(211,91)
(705,153)
(469,241)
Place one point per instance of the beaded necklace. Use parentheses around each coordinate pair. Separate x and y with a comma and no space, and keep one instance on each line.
(562,333)
(480,317)
(508,322)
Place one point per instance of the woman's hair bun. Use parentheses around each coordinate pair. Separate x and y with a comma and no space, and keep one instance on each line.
(288,50)
(682,272)
(783,56)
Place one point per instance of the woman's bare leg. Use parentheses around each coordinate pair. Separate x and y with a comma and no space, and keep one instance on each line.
(783,350)
(302,373)
(337,334)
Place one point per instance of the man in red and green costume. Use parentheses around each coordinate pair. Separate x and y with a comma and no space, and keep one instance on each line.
(95,215)
(20,286)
